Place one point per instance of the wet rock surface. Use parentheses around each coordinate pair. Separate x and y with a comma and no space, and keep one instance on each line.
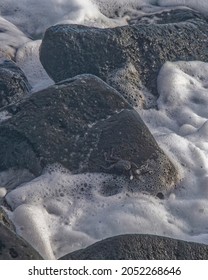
(141,247)
(87,126)
(12,247)
(69,50)
(14,85)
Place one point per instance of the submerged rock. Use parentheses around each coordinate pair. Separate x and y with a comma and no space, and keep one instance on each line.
(14,85)
(126,57)
(86,126)
(141,247)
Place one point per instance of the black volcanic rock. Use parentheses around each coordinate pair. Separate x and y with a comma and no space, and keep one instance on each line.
(141,247)
(87,126)
(14,85)
(140,49)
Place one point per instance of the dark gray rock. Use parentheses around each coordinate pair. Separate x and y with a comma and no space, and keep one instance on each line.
(4,219)
(13,247)
(87,126)
(14,85)
(141,247)
(140,49)
(168,17)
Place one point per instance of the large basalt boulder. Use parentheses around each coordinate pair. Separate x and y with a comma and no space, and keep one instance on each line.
(141,247)
(14,85)
(86,126)
(139,49)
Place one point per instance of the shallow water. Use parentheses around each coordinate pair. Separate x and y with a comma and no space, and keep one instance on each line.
(59,212)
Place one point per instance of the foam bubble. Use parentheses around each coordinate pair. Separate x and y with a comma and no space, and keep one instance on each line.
(76,212)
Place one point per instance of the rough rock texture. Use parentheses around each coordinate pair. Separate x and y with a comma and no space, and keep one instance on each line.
(140,49)
(141,247)
(4,219)
(14,85)
(87,126)
(12,247)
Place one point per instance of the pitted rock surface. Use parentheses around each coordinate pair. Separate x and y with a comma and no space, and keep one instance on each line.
(141,247)
(14,85)
(139,49)
(79,123)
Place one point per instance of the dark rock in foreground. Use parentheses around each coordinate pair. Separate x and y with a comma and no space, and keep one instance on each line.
(12,247)
(86,126)
(14,85)
(130,54)
(141,247)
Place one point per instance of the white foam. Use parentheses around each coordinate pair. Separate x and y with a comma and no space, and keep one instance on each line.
(3,192)
(11,38)
(33,16)
(75,213)
(27,58)
(183,92)
(182,110)
(31,221)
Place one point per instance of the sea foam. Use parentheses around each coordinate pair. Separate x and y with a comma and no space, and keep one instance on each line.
(59,212)
(75,213)
(33,16)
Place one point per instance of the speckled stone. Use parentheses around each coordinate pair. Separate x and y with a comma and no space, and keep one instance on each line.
(141,247)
